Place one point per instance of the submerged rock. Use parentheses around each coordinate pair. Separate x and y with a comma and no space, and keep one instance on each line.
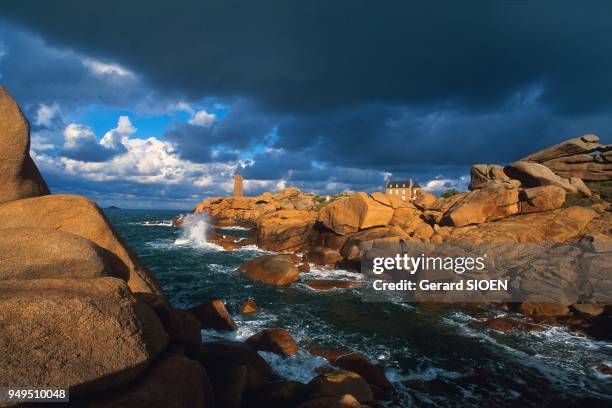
(249,306)
(275,340)
(329,284)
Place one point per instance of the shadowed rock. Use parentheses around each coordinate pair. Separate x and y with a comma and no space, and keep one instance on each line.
(19,176)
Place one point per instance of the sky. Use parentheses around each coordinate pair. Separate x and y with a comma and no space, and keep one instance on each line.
(157,104)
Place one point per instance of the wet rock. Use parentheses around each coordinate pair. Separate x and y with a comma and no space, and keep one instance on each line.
(275,340)
(506,324)
(88,335)
(249,306)
(220,355)
(304,267)
(277,270)
(80,216)
(329,284)
(324,256)
(31,253)
(372,373)
(19,176)
(591,309)
(214,315)
(338,384)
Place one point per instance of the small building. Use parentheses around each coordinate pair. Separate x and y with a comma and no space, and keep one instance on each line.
(404,189)
(238,189)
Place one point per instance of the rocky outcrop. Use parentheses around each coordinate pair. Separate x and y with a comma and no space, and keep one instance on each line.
(19,176)
(483,174)
(545,198)
(284,230)
(483,205)
(536,175)
(85,334)
(354,213)
(582,157)
(79,216)
(31,253)
(79,309)
(247,210)
(279,270)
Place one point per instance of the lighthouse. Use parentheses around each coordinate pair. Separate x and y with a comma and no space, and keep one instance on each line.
(238,192)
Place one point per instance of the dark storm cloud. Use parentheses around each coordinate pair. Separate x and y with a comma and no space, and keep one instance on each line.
(243,128)
(341,92)
(314,55)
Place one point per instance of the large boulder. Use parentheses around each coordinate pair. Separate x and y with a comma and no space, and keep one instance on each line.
(214,315)
(482,205)
(30,253)
(80,216)
(275,340)
(87,335)
(284,230)
(19,176)
(355,213)
(544,198)
(173,381)
(279,270)
(536,175)
(482,174)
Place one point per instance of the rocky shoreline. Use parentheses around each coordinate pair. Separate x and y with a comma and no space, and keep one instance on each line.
(524,202)
(81,311)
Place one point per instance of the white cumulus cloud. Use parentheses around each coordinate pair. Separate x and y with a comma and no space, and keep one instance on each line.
(203,118)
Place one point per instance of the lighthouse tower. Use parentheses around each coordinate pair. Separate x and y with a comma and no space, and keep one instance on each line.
(238,191)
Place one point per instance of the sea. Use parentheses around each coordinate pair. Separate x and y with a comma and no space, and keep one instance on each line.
(433,357)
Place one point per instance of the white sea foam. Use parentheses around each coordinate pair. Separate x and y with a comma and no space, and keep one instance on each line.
(195,228)
(321,272)
(301,367)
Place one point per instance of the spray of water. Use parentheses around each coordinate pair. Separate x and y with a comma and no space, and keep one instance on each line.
(194,230)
